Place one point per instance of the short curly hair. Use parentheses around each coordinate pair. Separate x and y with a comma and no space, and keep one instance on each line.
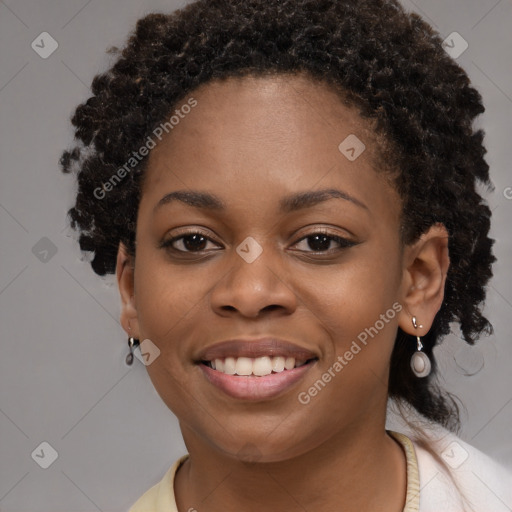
(387,62)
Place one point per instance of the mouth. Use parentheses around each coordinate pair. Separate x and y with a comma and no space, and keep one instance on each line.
(255,369)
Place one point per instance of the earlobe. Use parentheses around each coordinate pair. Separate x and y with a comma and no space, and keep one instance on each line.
(125,281)
(426,264)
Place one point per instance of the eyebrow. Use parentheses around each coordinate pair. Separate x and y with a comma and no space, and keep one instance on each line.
(294,202)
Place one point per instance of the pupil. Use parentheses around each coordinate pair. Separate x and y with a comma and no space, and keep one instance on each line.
(319,246)
(194,244)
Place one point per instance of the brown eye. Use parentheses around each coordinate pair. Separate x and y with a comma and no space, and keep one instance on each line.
(193,242)
(190,242)
(320,242)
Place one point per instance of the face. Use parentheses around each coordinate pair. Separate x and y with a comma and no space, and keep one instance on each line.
(321,272)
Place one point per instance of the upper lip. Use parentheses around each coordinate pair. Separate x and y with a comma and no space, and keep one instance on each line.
(272,347)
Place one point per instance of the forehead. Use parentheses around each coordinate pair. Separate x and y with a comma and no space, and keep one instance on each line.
(276,107)
(250,134)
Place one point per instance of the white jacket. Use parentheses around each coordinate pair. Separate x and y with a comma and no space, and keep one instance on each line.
(484,485)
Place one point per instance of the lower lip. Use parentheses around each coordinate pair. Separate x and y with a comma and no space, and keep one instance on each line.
(255,388)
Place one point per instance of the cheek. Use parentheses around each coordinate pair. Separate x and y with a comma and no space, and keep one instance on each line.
(351,297)
(166,295)
(358,309)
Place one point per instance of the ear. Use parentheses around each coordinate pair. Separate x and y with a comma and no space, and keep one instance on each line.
(425,266)
(125,281)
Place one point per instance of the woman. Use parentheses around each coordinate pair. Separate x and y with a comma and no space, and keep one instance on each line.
(286,191)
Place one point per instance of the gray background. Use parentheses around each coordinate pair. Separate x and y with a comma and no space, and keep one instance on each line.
(63,379)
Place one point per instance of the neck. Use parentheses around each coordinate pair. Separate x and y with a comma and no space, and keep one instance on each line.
(358,469)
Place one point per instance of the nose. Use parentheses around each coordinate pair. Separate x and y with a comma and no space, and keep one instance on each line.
(252,287)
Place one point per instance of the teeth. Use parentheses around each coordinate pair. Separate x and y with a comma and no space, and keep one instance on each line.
(219,365)
(259,366)
(230,365)
(278,364)
(289,363)
(262,366)
(243,366)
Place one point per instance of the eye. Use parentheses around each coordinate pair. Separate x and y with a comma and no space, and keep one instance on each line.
(320,241)
(188,242)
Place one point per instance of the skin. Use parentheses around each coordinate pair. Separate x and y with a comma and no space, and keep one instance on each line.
(252,142)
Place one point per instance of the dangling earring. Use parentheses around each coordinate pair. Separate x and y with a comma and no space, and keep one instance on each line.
(132,343)
(420,363)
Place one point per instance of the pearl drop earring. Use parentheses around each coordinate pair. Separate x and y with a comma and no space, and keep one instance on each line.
(420,363)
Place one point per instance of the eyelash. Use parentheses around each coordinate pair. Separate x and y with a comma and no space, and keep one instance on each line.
(344,243)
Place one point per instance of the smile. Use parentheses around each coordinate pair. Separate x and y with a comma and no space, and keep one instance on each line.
(255,369)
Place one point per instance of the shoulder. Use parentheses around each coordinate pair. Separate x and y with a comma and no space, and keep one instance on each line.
(456,476)
(160,497)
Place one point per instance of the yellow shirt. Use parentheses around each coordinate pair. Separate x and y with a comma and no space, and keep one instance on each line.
(160,498)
